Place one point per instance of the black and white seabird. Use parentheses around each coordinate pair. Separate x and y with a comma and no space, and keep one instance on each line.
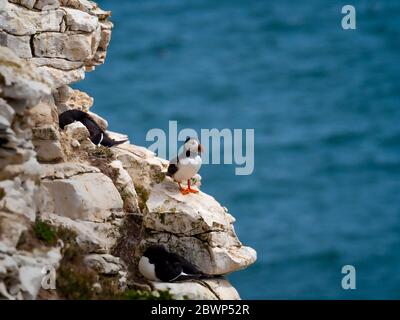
(157,264)
(187,164)
(97,135)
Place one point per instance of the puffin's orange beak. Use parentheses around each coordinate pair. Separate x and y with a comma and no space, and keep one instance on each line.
(200,148)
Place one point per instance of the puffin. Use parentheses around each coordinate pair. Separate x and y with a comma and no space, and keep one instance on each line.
(186,165)
(158,264)
(97,135)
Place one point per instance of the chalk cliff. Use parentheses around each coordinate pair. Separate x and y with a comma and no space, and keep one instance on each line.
(76,211)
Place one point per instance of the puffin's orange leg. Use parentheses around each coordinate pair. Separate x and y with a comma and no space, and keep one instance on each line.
(191,190)
(183,191)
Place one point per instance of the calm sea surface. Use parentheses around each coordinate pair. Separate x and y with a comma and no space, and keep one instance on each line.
(325,106)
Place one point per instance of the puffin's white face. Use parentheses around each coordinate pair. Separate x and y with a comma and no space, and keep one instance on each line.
(193,145)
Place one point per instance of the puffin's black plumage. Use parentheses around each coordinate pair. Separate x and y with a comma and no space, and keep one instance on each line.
(3,141)
(172,168)
(169,266)
(97,135)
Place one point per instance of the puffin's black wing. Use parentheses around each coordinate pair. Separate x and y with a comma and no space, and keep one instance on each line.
(172,168)
(70,116)
(188,270)
(168,270)
(94,130)
(187,267)
(108,142)
(171,267)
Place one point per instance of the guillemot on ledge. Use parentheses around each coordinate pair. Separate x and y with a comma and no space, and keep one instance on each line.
(97,135)
(157,264)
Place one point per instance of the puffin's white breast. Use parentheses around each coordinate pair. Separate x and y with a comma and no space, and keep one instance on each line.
(147,269)
(187,168)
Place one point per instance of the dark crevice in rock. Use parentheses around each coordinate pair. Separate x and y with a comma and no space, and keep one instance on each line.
(205,284)
(31,44)
(185,235)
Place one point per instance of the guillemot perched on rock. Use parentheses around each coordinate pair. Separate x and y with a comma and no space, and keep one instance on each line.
(157,264)
(186,165)
(97,135)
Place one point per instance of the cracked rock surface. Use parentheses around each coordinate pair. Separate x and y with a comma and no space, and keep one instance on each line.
(197,227)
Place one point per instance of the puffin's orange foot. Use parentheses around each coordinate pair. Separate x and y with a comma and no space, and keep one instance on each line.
(184,191)
(193,190)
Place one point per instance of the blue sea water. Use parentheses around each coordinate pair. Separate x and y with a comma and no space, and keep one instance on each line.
(325,106)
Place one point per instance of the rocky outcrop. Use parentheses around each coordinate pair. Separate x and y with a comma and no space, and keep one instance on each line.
(197,227)
(63,38)
(21,271)
(81,209)
(215,289)
(87,195)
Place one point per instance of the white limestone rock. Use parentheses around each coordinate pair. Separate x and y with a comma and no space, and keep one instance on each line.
(105,263)
(61,77)
(26,3)
(92,237)
(87,6)
(222,288)
(65,170)
(88,196)
(186,290)
(6,114)
(20,21)
(19,44)
(78,20)
(44,114)
(21,81)
(46,132)
(105,39)
(212,289)
(21,273)
(48,150)
(126,187)
(57,63)
(68,99)
(11,226)
(142,165)
(31,269)
(17,197)
(47,4)
(77,130)
(196,227)
(83,5)
(70,46)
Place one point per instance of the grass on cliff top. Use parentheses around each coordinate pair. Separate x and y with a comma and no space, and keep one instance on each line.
(39,234)
(143,196)
(145,295)
(43,231)
(101,157)
(102,152)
